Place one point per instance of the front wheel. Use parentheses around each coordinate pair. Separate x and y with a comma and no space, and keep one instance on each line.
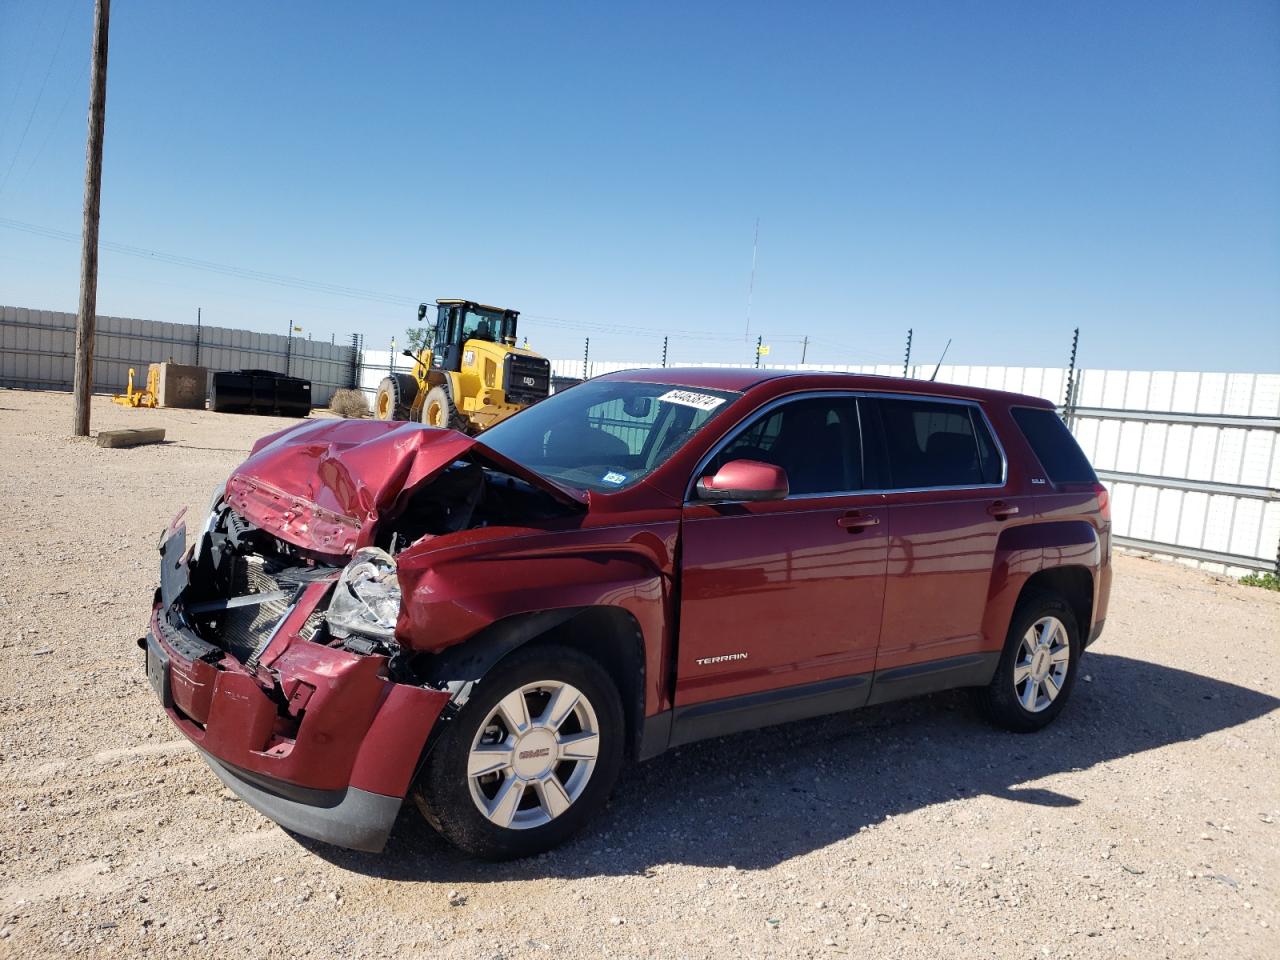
(1038,665)
(530,757)
(438,410)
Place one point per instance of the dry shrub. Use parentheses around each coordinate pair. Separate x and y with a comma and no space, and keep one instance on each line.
(350,404)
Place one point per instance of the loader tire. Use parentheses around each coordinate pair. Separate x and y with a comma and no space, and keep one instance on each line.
(438,410)
(395,397)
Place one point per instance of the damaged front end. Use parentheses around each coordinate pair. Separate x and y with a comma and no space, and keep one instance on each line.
(307,726)
(272,642)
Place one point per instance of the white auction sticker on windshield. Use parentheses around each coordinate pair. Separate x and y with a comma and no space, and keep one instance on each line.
(691,398)
(612,477)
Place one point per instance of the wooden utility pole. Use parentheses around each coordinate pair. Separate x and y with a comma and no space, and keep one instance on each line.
(86,319)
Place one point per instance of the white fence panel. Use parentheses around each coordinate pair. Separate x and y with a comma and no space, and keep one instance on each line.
(1143,461)
(37,351)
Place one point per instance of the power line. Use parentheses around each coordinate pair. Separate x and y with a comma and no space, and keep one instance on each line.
(211,266)
(373,296)
(71,5)
(53,128)
(26,64)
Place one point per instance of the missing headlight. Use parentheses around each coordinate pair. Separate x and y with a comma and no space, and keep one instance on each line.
(366,600)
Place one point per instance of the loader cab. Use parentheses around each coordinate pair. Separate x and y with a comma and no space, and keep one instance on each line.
(458,321)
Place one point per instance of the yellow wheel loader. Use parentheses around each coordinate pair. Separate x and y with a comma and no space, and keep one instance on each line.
(469,375)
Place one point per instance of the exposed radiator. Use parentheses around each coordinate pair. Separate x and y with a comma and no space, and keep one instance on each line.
(247,627)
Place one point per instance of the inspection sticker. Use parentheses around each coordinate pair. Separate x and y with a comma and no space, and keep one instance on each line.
(612,477)
(691,398)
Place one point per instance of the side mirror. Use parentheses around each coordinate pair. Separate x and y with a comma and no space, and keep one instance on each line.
(422,311)
(745,480)
(410,354)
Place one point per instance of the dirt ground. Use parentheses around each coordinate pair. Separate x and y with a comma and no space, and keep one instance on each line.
(1144,823)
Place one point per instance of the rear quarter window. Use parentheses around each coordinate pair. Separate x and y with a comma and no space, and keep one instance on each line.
(1054,446)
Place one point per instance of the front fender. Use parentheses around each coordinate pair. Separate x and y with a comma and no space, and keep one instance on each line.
(453,594)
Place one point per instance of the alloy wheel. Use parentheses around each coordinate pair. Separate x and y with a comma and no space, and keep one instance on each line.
(1044,656)
(533,755)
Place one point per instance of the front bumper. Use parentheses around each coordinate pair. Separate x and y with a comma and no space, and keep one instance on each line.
(352,818)
(315,737)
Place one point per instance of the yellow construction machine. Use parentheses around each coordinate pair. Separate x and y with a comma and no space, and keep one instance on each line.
(150,397)
(469,375)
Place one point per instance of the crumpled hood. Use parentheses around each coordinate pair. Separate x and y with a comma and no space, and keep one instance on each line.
(322,485)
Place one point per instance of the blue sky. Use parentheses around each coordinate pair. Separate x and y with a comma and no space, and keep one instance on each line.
(994,173)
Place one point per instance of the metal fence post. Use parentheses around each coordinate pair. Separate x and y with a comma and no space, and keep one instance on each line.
(1069,400)
(357,356)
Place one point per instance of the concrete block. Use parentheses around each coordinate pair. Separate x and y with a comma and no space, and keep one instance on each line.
(134,437)
(182,385)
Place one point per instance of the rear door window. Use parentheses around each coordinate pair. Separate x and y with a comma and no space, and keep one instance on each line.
(1054,446)
(817,440)
(937,443)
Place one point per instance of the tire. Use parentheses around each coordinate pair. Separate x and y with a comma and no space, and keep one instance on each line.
(1008,701)
(438,410)
(518,790)
(394,400)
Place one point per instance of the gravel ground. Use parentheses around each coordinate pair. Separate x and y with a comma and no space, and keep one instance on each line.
(1144,823)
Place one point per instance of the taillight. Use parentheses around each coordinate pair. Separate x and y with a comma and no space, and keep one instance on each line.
(1104,501)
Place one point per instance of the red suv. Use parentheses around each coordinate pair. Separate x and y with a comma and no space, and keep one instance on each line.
(373,609)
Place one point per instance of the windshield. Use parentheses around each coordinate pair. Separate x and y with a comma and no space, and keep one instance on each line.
(488,325)
(605,435)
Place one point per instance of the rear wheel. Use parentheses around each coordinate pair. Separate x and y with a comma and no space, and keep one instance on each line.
(530,757)
(1038,666)
(438,410)
(395,397)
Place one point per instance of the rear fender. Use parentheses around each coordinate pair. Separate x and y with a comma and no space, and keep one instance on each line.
(1019,554)
(1024,551)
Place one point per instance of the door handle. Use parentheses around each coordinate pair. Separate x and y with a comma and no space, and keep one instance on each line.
(1001,510)
(853,522)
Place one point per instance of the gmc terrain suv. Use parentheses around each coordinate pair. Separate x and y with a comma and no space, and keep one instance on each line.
(378,609)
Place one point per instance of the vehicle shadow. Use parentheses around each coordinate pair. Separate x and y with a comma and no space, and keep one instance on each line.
(756,799)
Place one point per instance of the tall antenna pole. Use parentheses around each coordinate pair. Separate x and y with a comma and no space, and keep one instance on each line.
(664,351)
(87,316)
(198,336)
(906,361)
(759,346)
(751,284)
(940,359)
(586,355)
(804,349)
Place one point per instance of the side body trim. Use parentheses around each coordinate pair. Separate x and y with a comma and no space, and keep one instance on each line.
(898,683)
(717,718)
